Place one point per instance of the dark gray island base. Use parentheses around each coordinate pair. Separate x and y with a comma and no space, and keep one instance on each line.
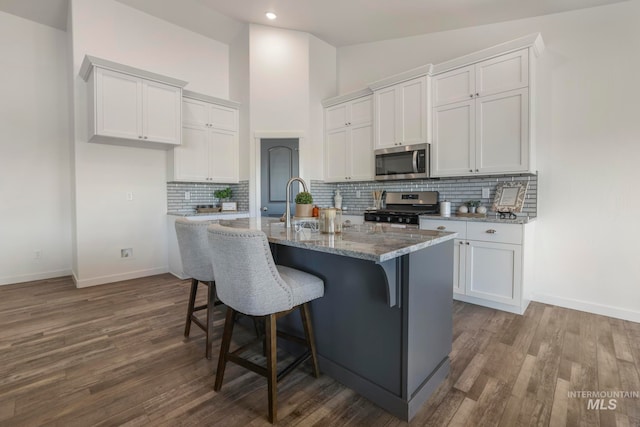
(383,327)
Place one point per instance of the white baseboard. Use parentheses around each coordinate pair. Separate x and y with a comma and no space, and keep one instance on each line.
(21,278)
(102,280)
(589,307)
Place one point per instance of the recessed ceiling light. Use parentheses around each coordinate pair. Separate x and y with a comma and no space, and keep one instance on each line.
(271,15)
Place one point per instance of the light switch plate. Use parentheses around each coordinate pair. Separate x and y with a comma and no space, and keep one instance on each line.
(485,193)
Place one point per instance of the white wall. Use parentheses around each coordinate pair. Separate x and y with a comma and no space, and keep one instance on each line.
(587,234)
(105,221)
(34,160)
(290,71)
(323,85)
(239,90)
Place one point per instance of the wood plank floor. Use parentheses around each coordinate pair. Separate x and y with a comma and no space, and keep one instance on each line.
(115,355)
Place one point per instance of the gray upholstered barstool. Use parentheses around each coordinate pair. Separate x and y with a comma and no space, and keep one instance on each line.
(196,263)
(249,282)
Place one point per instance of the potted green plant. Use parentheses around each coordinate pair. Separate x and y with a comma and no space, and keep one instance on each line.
(473,205)
(223,195)
(304,204)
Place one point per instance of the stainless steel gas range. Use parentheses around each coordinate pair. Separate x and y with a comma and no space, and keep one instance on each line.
(405,207)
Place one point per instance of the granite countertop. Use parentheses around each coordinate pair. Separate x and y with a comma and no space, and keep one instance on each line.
(207,213)
(370,241)
(490,218)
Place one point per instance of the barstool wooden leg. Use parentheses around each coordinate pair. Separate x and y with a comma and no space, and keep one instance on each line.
(192,303)
(309,336)
(272,363)
(211,300)
(224,347)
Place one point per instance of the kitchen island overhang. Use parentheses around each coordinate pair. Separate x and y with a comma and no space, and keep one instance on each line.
(384,325)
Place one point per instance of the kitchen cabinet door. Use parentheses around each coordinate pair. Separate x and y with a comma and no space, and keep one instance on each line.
(118,105)
(162,115)
(494,271)
(502,132)
(413,112)
(401,114)
(502,73)
(454,86)
(385,123)
(195,112)
(191,159)
(360,111)
(336,155)
(223,156)
(360,153)
(453,148)
(336,117)
(221,117)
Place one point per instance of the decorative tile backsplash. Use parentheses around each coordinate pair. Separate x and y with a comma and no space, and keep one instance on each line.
(202,194)
(456,190)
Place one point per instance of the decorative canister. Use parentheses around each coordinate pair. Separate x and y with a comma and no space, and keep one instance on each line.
(445,208)
(330,220)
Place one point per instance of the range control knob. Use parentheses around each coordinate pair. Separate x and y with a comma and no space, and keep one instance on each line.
(388,219)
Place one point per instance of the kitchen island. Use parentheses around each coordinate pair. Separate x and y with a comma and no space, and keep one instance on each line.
(384,325)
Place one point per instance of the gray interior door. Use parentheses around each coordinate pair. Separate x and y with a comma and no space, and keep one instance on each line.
(278,163)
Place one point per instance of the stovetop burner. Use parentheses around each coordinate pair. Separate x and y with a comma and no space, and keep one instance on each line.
(404,208)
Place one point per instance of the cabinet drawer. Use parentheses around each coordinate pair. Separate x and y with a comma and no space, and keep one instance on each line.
(492,232)
(459,227)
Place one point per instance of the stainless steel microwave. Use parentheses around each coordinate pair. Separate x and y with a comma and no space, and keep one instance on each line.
(405,162)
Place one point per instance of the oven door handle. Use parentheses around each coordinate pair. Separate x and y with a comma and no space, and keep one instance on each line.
(415,161)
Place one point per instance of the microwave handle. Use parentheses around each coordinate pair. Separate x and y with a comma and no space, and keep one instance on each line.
(415,161)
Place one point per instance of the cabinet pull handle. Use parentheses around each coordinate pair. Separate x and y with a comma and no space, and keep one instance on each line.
(442,227)
(491,231)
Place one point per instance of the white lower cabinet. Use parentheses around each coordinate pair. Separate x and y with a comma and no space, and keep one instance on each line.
(492,262)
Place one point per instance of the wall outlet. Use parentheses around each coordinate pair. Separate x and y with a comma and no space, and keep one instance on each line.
(187,195)
(126,253)
(129,195)
(37,254)
(357,194)
(485,193)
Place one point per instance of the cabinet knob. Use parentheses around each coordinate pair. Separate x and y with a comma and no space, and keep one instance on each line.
(477,170)
(139,136)
(470,170)
(442,227)
(491,231)
(399,143)
(145,137)
(462,243)
(467,243)
(471,96)
(477,94)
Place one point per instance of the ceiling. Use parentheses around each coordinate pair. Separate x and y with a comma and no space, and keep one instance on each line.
(338,22)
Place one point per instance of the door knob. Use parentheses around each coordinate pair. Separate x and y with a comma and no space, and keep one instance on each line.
(264,209)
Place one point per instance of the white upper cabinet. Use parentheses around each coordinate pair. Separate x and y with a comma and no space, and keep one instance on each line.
(210,147)
(349,141)
(132,107)
(481,118)
(401,114)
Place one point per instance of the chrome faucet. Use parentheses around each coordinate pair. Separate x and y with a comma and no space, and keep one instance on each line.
(287,216)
